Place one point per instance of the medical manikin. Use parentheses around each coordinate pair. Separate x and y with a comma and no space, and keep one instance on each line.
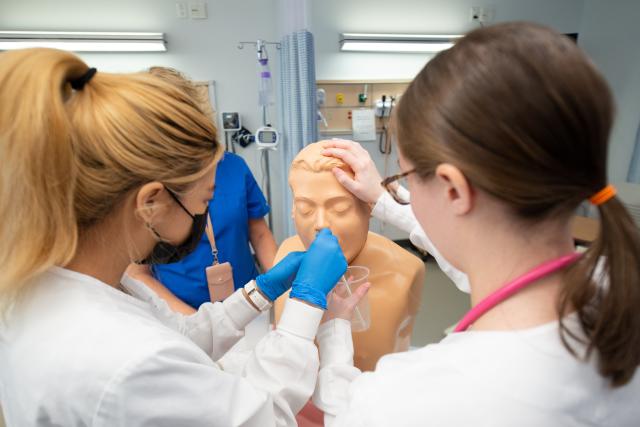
(396,276)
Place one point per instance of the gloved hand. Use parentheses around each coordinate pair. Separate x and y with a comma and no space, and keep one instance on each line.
(320,270)
(278,280)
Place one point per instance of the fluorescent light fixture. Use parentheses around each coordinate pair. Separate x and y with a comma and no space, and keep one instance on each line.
(84,41)
(404,43)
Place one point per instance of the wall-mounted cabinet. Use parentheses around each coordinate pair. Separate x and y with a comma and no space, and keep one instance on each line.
(341,97)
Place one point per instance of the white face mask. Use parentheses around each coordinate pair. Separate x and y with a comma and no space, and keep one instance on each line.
(460,279)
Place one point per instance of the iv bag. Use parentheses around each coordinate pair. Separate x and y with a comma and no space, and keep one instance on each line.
(265,84)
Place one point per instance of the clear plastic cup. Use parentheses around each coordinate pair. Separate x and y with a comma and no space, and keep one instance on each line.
(354,277)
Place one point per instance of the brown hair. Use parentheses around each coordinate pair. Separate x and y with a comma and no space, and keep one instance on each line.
(68,157)
(524,114)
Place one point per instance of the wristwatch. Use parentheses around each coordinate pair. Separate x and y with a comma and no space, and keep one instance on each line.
(256,296)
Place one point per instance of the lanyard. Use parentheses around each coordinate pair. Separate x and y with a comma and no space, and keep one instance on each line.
(512,287)
(212,240)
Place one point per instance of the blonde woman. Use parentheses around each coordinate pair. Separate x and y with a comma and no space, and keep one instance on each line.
(98,170)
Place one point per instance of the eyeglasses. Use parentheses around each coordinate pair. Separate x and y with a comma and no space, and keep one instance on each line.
(392,186)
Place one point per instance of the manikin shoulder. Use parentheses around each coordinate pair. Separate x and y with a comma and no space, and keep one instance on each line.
(290,244)
(390,256)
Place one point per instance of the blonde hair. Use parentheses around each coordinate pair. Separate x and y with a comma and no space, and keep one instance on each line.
(68,157)
(180,80)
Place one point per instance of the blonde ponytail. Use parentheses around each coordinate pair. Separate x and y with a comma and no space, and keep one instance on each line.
(38,173)
(67,157)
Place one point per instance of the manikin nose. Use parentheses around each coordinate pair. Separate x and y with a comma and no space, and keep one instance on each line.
(321,220)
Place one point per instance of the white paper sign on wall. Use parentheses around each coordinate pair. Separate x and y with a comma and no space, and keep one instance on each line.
(363,121)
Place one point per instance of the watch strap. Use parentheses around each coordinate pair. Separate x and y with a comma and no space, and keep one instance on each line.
(256,297)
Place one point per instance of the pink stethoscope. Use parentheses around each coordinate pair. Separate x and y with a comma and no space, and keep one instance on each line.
(512,287)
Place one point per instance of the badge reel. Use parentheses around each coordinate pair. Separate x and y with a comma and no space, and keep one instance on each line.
(219,276)
(220,280)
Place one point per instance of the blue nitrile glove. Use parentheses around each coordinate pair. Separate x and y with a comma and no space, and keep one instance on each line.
(278,280)
(322,267)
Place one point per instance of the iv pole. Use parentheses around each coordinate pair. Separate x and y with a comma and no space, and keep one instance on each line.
(261,50)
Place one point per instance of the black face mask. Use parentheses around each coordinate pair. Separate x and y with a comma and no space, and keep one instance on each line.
(166,253)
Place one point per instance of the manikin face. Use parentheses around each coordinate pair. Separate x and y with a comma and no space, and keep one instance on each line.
(320,201)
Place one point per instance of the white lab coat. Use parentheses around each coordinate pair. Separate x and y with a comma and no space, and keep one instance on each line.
(522,378)
(79,352)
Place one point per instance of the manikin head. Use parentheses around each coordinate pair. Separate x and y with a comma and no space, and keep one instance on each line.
(320,201)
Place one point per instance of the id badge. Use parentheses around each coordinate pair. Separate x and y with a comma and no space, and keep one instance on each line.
(220,281)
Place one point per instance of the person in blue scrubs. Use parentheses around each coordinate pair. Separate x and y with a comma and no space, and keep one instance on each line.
(237,213)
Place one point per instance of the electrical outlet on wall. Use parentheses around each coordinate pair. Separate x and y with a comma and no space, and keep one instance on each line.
(482,14)
(181,10)
(488,14)
(197,10)
(474,13)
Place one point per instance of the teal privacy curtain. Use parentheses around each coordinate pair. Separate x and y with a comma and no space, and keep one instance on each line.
(634,168)
(298,107)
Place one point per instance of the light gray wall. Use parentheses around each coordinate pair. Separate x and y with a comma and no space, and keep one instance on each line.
(610,34)
(331,17)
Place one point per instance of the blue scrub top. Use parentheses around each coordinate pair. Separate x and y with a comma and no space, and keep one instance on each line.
(237,199)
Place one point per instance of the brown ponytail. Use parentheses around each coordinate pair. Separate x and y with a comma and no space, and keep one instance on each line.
(68,157)
(604,289)
(525,115)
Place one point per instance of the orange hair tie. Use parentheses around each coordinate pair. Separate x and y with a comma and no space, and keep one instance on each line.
(603,195)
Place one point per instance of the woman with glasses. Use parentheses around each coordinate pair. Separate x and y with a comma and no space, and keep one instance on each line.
(389,198)
(501,138)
